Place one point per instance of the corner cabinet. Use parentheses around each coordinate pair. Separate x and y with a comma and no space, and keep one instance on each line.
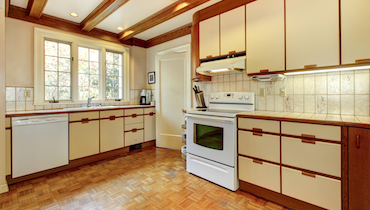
(209,37)
(111,130)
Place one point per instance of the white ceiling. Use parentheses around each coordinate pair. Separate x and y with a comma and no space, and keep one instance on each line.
(126,16)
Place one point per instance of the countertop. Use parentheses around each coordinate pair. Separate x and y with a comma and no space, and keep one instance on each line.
(72,110)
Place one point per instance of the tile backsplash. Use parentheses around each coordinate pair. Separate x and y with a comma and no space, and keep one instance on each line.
(345,92)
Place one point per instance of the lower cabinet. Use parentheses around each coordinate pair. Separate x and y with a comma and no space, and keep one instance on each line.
(134,134)
(111,134)
(83,139)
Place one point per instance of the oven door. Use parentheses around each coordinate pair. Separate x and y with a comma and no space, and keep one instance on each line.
(211,137)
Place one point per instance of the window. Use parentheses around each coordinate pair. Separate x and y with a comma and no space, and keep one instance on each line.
(88,73)
(57,58)
(113,75)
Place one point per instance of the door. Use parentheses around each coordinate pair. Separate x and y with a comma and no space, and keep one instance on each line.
(170,86)
(359,170)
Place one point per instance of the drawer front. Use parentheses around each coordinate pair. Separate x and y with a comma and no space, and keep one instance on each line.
(132,138)
(149,110)
(133,120)
(83,139)
(266,125)
(111,134)
(318,190)
(129,127)
(263,146)
(265,175)
(133,111)
(320,157)
(108,113)
(328,132)
(7,122)
(83,115)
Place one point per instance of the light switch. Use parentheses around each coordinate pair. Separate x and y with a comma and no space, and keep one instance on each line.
(27,93)
(282,92)
(262,92)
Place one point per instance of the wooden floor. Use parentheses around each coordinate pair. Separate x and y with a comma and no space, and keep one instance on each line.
(152,178)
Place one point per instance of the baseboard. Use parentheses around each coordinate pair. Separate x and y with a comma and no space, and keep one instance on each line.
(4,188)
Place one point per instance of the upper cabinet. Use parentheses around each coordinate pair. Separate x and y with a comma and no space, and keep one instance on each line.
(355,19)
(209,37)
(312,33)
(265,36)
(232,30)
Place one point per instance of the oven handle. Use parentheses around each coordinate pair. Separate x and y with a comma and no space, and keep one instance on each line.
(211,118)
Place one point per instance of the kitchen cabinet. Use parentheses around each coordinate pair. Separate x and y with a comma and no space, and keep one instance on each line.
(111,130)
(359,170)
(209,37)
(312,33)
(149,124)
(355,39)
(265,36)
(232,31)
(83,134)
(134,126)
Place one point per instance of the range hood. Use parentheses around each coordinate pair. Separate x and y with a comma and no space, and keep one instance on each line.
(268,77)
(224,66)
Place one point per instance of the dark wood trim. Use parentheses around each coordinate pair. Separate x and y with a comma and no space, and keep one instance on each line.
(135,42)
(311,172)
(171,35)
(340,32)
(7,3)
(109,118)
(345,175)
(134,130)
(102,11)
(259,159)
(257,131)
(36,7)
(161,16)
(277,197)
(84,120)
(311,139)
(148,144)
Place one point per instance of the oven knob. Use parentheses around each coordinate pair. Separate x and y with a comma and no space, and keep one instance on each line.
(246,97)
(212,97)
(217,97)
(240,97)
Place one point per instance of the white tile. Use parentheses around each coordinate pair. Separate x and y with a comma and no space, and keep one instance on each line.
(321,104)
(289,85)
(19,94)
(298,103)
(333,104)
(333,84)
(226,86)
(220,78)
(270,88)
(55,106)
(362,105)
(270,103)
(215,87)
(29,105)
(246,85)
(347,104)
(309,84)
(232,77)
(39,107)
(279,103)
(309,103)
(362,83)
(20,106)
(278,85)
(31,94)
(69,106)
(254,86)
(220,87)
(47,107)
(261,103)
(10,94)
(288,103)
(320,84)
(239,77)
(347,82)
(63,106)
(227,78)
(245,77)
(298,84)
(10,106)
(239,86)
(232,86)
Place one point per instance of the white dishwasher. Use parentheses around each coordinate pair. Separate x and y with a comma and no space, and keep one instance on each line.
(39,143)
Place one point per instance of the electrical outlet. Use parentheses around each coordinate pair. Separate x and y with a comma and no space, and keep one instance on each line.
(27,93)
(262,92)
(282,92)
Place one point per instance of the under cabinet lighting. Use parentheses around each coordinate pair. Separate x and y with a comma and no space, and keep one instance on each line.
(218,70)
(346,68)
(73,14)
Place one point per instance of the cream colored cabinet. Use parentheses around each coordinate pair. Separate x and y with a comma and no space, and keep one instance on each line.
(83,134)
(111,130)
(355,19)
(134,126)
(312,33)
(8,140)
(265,36)
(149,124)
(209,37)
(232,30)
(328,132)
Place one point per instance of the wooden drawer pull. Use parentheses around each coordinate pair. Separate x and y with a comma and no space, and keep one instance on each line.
(85,120)
(257,161)
(134,115)
(309,174)
(134,130)
(151,113)
(232,52)
(308,141)
(358,141)
(209,56)
(257,129)
(257,134)
(113,117)
(264,70)
(307,135)
(310,66)
(363,60)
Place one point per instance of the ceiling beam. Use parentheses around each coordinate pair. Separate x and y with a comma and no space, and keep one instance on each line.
(7,3)
(163,15)
(36,7)
(101,12)
(174,34)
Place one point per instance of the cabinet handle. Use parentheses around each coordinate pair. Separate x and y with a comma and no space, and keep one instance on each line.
(257,134)
(209,56)
(134,130)
(307,135)
(308,141)
(257,161)
(113,117)
(232,52)
(85,120)
(264,70)
(257,129)
(358,141)
(310,66)
(134,115)
(151,113)
(309,174)
(363,60)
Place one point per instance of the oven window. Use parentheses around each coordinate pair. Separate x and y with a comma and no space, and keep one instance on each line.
(209,136)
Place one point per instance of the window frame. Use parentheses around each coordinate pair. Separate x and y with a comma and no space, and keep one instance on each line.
(40,35)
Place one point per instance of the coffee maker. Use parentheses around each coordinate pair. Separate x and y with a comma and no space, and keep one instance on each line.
(145,97)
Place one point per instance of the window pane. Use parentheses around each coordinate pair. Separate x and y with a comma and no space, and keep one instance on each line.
(116,58)
(88,77)
(64,93)
(83,67)
(64,79)
(109,57)
(83,53)
(94,68)
(51,78)
(94,55)
(51,92)
(83,80)
(109,70)
(51,48)
(64,50)
(83,92)
(94,81)
(51,63)
(64,64)
(113,75)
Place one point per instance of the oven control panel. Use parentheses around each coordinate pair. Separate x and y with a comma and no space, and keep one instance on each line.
(232,97)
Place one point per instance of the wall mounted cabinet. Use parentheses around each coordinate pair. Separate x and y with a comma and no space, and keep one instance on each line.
(232,31)
(209,37)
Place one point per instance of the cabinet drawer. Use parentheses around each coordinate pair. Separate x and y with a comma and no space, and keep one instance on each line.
(149,110)
(83,115)
(133,119)
(321,157)
(107,114)
(261,146)
(129,127)
(265,175)
(266,125)
(132,138)
(318,190)
(7,122)
(133,112)
(328,132)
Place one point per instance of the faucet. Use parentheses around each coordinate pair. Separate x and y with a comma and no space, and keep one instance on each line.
(89,101)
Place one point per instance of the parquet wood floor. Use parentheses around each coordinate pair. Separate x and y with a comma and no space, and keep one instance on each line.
(152,178)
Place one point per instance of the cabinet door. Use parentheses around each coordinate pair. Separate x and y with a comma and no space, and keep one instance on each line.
(359,170)
(355,19)
(134,137)
(111,134)
(149,127)
(265,36)
(209,37)
(232,30)
(83,139)
(312,33)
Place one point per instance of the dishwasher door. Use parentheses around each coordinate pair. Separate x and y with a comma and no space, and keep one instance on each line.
(39,143)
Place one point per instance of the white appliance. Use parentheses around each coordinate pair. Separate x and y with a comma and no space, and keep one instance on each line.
(212,138)
(224,66)
(39,143)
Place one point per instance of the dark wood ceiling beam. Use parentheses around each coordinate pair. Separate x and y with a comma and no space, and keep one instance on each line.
(101,12)
(171,35)
(36,7)
(165,14)
(7,3)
